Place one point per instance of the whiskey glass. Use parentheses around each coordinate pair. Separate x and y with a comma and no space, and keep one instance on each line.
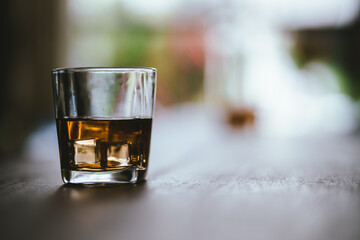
(104,119)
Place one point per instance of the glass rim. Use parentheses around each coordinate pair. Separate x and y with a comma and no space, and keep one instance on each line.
(104,69)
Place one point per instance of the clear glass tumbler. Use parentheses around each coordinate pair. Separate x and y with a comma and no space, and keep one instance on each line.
(104,119)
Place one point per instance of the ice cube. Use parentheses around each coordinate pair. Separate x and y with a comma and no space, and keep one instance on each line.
(118,154)
(85,151)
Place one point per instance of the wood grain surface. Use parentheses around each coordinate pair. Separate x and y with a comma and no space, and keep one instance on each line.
(205,182)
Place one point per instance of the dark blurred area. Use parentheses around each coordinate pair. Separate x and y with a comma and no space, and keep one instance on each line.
(230,55)
(339,47)
(29,50)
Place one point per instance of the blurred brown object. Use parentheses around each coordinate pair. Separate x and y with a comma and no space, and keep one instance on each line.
(29,40)
(241,117)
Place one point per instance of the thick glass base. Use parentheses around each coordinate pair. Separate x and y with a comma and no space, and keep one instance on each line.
(126,175)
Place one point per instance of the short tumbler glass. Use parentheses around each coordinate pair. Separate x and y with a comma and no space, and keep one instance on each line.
(104,119)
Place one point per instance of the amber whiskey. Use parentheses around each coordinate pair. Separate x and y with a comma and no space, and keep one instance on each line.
(97,147)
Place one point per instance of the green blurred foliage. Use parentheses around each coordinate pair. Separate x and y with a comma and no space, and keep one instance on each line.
(338,48)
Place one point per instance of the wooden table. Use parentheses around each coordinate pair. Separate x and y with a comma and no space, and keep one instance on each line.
(204,182)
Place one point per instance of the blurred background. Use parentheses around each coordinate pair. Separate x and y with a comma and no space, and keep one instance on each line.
(274,69)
